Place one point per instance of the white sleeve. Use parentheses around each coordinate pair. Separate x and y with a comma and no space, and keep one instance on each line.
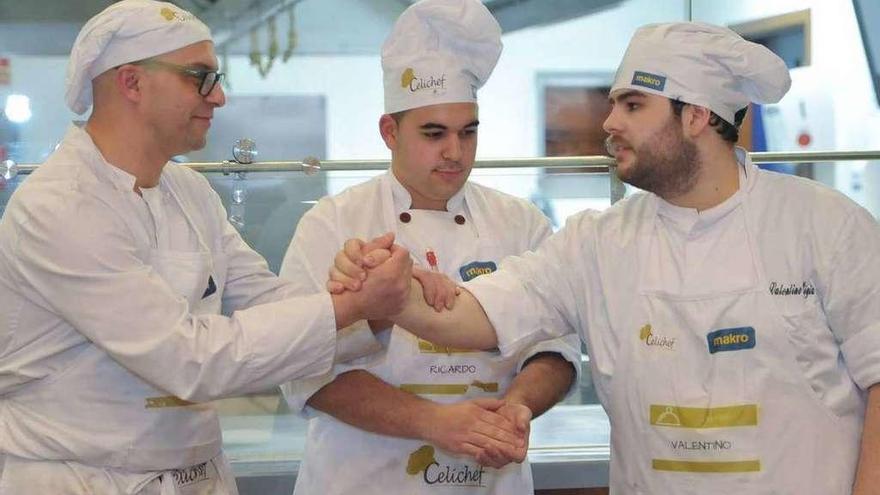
(248,279)
(851,293)
(79,255)
(305,265)
(568,346)
(298,392)
(533,297)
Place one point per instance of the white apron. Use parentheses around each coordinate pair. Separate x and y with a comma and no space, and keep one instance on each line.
(376,464)
(711,399)
(126,425)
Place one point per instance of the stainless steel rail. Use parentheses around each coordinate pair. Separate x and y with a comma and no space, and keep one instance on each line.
(585,164)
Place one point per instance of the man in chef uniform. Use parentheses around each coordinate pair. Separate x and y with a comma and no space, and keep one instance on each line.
(417,417)
(114,265)
(731,314)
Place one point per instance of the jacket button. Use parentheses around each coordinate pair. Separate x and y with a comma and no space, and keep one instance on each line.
(459,219)
(405,217)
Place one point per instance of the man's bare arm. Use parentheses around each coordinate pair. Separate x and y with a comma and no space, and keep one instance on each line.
(868,473)
(543,381)
(465,326)
(471,428)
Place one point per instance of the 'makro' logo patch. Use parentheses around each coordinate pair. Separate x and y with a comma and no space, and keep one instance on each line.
(473,270)
(648,80)
(731,339)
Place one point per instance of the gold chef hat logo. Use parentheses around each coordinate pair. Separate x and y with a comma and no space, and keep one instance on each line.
(172,15)
(167,13)
(407,77)
(420,460)
(645,332)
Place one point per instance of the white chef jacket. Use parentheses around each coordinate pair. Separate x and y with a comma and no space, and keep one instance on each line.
(80,303)
(792,255)
(479,228)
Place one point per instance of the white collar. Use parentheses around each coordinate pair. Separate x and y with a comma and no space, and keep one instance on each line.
(120,179)
(690,220)
(403,199)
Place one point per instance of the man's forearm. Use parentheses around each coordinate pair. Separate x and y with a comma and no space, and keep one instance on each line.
(542,382)
(466,326)
(345,310)
(868,473)
(470,427)
(364,401)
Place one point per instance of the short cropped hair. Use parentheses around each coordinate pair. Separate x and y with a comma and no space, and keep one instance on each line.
(729,132)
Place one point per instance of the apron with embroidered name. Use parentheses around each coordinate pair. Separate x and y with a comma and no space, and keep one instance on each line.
(709,396)
(393,465)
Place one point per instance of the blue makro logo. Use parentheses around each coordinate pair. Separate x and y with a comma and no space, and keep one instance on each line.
(731,339)
(473,270)
(647,80)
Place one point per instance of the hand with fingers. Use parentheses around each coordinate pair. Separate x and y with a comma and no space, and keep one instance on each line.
(385,292)
(378,297)
(438,289)
(350,265)
(477,429)
(520,416)
(357,259)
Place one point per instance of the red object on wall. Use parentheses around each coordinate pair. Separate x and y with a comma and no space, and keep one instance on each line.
(804,139)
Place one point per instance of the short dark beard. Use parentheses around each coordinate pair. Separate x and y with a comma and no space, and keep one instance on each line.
(666,165)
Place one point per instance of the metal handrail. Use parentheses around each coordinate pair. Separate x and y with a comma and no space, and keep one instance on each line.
(585,164)
(813,156)
(590,164)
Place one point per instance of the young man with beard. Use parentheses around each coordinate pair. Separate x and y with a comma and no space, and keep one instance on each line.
(730,313)
(418,418)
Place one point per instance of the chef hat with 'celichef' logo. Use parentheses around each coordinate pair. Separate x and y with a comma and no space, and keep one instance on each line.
(440,51)
(703,65)
(127,31)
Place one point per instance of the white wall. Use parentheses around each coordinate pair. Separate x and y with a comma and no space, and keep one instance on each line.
(840,69)
(352,86)
(42,80)
(510,101)
(837,57)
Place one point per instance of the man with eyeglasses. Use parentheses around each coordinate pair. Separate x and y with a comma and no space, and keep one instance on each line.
(207,78)
(114,266)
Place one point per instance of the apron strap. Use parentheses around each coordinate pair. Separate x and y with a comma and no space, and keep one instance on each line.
(225,477)
(169,487)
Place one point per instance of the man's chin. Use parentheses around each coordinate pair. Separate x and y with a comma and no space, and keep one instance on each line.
(624,170)
(630,175)
(197,144)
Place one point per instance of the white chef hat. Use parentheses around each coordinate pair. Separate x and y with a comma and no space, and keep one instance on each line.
(124,32)
(440,51)
(704,65)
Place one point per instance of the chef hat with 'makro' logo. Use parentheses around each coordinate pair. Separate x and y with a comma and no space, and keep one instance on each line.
(440,51)
(125,32)
(703,65)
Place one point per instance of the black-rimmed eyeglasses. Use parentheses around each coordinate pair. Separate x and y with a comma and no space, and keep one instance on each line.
(207,78)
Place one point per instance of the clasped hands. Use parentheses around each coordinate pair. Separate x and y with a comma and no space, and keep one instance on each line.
(492,431)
